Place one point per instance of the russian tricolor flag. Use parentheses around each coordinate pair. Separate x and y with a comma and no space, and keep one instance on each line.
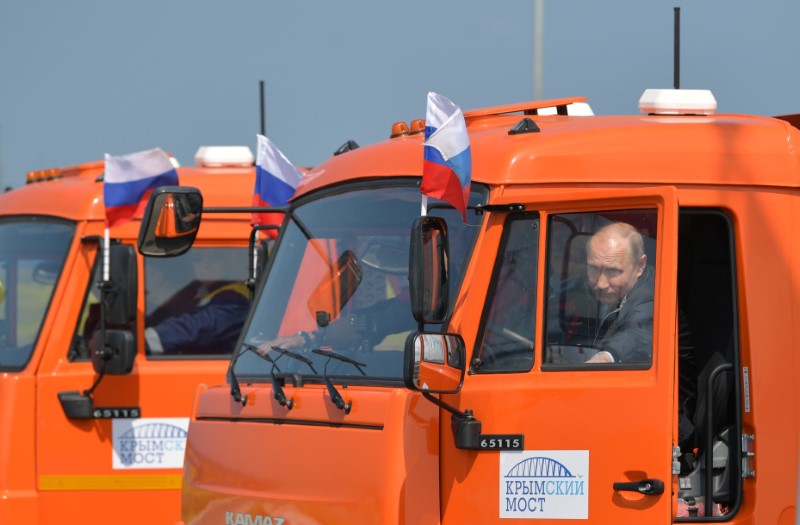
(276,181)
(447,168)
(130,179)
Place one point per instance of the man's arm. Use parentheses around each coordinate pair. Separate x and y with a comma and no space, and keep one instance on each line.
(630,338)
(210,325)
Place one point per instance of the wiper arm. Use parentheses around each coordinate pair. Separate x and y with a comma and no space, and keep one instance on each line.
(336,397)
(277,388)
(295,355)
(236,391)
(340,357)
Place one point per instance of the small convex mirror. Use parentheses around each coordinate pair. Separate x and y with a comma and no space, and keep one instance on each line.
(434,362)
(171,221)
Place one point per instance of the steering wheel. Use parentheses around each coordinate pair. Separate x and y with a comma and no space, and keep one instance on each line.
(561,354)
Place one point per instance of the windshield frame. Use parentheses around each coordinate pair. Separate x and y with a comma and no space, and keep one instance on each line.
(479,196)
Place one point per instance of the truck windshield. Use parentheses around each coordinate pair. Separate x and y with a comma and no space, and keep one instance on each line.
(32,254)
(338,286)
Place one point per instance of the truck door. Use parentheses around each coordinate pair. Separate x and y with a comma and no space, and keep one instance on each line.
(132,448)
(576,279)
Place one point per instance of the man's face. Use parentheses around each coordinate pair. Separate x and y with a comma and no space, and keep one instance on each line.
(611,270)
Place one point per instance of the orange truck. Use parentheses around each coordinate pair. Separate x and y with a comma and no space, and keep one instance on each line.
(93,437)
(404,369)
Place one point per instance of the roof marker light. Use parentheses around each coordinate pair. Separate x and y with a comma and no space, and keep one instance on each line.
(417,126)
(677,102)
(399,129)
(42,175)
(224,156)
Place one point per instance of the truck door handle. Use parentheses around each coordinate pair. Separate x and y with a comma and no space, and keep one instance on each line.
(649,487)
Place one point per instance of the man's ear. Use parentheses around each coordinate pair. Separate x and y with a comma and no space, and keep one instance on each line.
(641,266)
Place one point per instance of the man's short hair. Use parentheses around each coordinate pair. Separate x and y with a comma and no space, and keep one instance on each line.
(624,231)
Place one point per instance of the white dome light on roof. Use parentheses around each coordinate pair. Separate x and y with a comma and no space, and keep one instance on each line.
(224,156)
(677,102)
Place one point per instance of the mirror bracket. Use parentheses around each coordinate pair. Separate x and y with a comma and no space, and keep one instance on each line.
(466,430)
(76,405)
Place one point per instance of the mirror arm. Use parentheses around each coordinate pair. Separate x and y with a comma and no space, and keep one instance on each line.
(88,392)
(441,404)
(466,428)
(79,405)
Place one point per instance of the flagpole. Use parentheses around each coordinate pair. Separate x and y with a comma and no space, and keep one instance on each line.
(424,208)
(106,256)
(263,130)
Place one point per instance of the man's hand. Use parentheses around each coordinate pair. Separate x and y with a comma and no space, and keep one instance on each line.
(601,357)
(286,342)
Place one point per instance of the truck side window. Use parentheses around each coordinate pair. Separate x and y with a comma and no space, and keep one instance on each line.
(600,284)
(195,304)
(509,323)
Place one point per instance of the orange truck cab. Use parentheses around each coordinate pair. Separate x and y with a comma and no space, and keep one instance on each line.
(98,436)
(608,337)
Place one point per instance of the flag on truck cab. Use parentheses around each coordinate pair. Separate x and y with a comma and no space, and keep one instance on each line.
(130,179)
(276,181)
(447,168)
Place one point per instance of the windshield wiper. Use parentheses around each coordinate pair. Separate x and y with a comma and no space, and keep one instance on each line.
(277,388)
(336,397)
(340,357)
(295,355)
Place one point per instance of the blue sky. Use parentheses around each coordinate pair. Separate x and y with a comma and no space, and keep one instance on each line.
(80,79)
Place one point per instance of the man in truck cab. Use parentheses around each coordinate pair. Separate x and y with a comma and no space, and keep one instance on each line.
(622,283)
(205,315)
(610,310)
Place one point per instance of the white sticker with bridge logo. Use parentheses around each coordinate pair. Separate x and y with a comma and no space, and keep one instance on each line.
(544,484)
(149,442)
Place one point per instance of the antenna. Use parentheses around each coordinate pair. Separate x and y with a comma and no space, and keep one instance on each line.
(538,50)
(677,57)
(261,98)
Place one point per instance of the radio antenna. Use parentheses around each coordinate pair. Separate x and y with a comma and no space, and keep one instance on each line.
(677,58)
(261,99)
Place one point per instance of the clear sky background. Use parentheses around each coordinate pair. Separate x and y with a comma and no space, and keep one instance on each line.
(84,78)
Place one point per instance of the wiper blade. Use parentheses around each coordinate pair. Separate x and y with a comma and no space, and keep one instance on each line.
(265,357)
(295,355)
(340,357)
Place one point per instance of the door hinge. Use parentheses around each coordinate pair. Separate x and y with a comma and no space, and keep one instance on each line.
(748,456)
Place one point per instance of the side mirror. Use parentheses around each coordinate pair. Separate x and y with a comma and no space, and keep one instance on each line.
(428,272)
(434,362)
(121,295)
(117,356)
(336,289)
(171,221)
